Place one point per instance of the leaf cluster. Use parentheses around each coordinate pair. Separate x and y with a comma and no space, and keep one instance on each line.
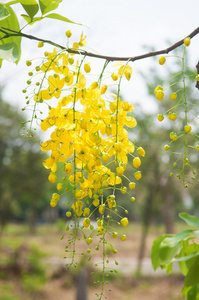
(181,248)
(10,42)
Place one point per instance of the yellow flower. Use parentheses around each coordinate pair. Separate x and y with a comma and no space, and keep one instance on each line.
(130,122)
(55,84)
(68,168)
(49,162)
(128,72)
(82,41)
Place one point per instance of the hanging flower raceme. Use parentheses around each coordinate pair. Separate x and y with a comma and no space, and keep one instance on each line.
(88,144)
(183,117)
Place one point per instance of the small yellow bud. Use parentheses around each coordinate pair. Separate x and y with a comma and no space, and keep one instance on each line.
(87,67)
(68,33)
(173,96)
(94,85)
(123,190)
(159,87)
(187,41)
(114,76)
(160,95)
(160,117)
(132,185)
(138,175)
(28,63)
(120,171)
(141,151)
(68,214)
(187,128)
(105,157)
(114,235)
(166,147)
(71,60)
(162,60)
(86,222)
(53,203)
(40,44)
(52,177)
(59,186)
(136,162)
(103,89)
(124,222)
(123,237)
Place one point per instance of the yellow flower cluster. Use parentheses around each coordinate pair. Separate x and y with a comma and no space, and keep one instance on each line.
(183,130)
(89,136)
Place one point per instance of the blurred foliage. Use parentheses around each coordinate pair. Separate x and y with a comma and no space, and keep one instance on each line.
(25,265)
(24,188)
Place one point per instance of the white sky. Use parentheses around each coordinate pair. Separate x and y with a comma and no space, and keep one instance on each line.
(115,28)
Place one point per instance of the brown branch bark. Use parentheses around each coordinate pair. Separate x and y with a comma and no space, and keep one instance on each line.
(9,32)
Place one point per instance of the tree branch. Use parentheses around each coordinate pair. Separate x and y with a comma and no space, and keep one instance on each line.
(9,32)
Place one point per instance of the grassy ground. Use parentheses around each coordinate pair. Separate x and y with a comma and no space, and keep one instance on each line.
(32,267)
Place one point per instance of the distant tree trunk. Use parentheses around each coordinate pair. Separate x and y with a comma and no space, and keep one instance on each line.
(167,213)
(82,282)
(147,213)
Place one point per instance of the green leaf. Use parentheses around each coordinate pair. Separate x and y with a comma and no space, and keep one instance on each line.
(48,5)
(192,293)
(189,219)
(31,21)
(155,251)
(25,2)
(4,13)
(61,18)
(30,6)
(170,246)
(192,277)
(31,9)
(185,290)
(13,42)
(9,52)
(186,257)
(27,18)
(169,268)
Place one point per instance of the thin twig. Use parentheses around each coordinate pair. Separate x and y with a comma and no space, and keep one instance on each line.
(108,58)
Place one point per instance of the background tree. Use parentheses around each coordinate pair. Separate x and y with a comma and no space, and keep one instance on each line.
(24,188)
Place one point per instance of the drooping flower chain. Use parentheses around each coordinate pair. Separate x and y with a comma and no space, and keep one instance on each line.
(183,129)
(90,142)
